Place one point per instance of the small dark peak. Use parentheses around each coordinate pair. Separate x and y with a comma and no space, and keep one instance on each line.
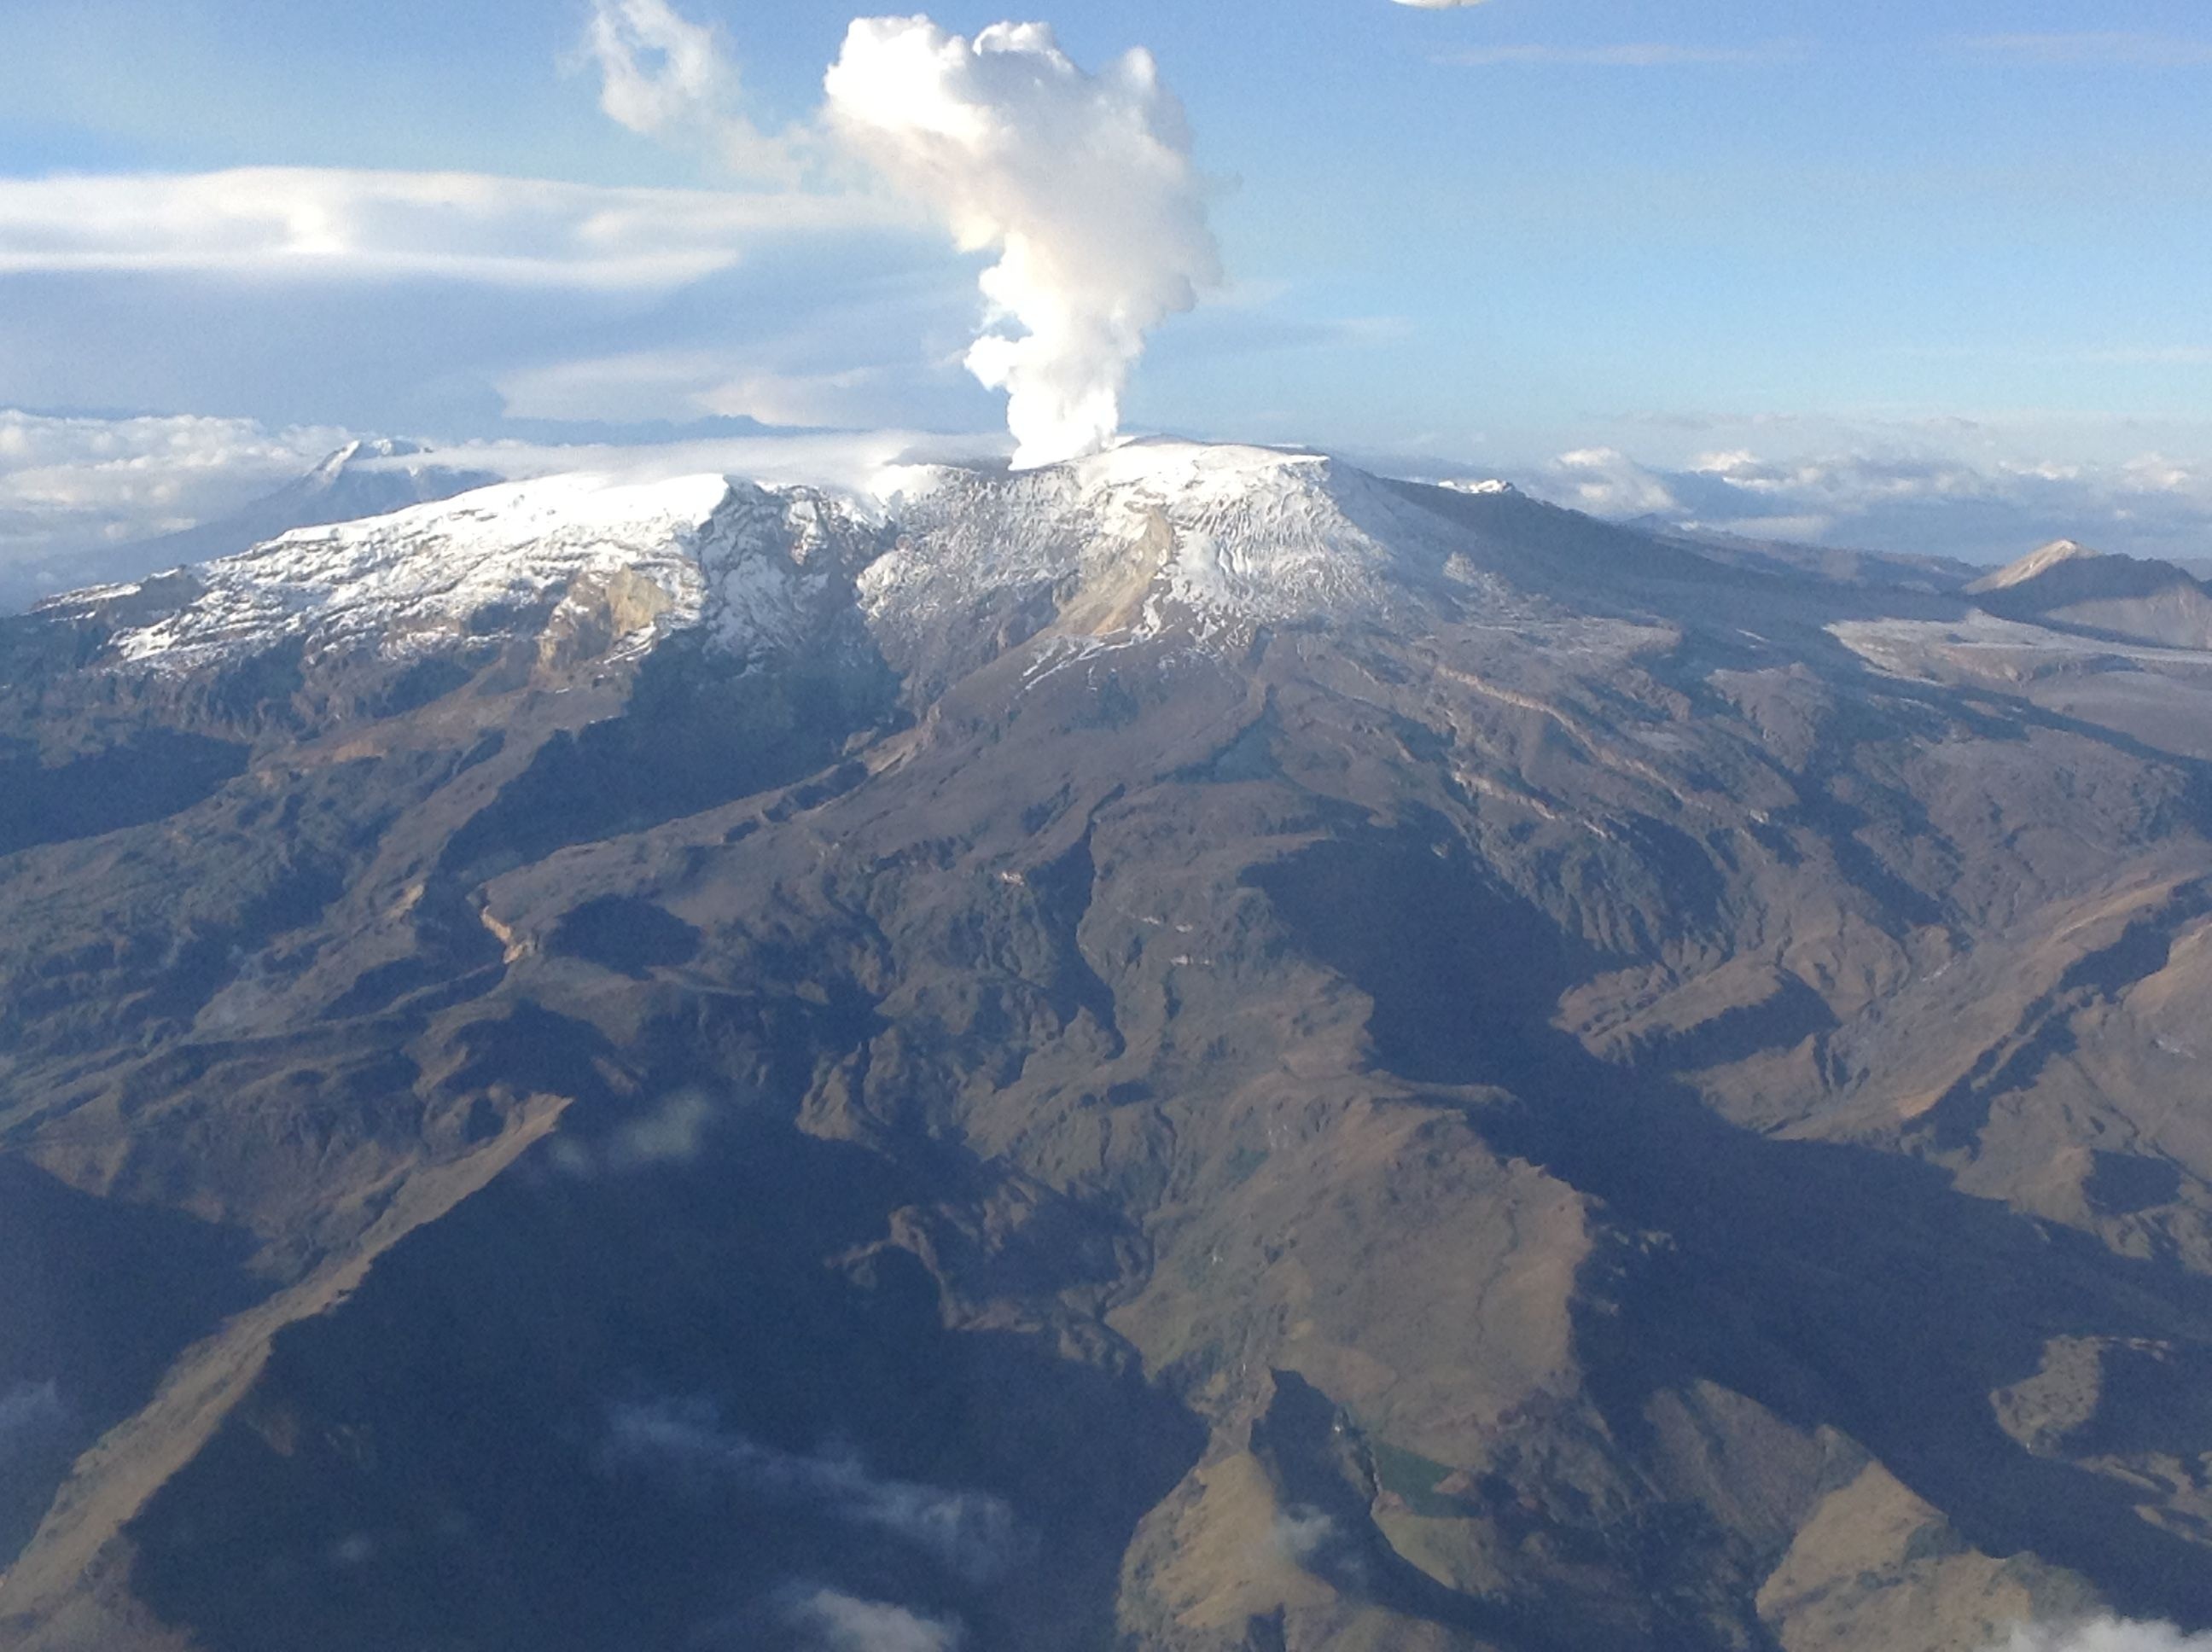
(2121,1184)
(1248,755)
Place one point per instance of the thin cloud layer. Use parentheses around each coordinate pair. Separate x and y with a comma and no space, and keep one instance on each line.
(1083,184)
(31,1414)
(705,384)
(1634,54)
(1901,499)
(973,1535)
(832,1622)
(2109,47)
(310,222)
(2107,1635)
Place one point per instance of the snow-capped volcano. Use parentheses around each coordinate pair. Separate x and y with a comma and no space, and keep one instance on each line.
(1153,531)
(1149,535)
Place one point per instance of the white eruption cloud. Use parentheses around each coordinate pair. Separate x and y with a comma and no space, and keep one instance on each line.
(1082,183)
(2107,1635)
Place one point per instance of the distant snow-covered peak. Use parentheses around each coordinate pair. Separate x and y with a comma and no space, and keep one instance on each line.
(2035,564)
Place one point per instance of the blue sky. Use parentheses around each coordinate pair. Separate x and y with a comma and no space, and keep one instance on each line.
(1598,242)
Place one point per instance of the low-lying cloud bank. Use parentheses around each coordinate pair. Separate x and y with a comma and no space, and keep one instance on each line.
(67,483)
(71,487)
(1924,502)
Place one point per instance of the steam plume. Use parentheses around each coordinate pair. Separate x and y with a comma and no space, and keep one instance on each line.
(1083,184)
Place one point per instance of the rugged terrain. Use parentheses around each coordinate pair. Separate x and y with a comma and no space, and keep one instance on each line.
(1197,1050)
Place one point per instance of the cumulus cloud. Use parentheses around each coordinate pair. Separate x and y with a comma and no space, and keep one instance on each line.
(1301,1532)
(1606,481)
(2105,1634)
(669,1133)
(76,483)
(843,1623)
(331,224)
(665,76)
(674,1130)
(1083,184)
(972,1535)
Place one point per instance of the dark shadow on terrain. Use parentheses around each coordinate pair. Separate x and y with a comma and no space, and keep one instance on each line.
(698,732)
(155,774)
(1064,888)
(438,1462)
(1831,1283)
(1794,1013)
(625,933)
(1959,1115)
(96,1298)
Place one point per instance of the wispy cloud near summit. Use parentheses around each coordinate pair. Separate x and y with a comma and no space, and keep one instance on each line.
(1629,54)
(2095,48)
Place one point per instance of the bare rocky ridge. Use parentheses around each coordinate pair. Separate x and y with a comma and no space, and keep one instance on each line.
(1193,1051)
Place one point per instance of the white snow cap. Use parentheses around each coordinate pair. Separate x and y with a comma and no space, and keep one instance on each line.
(1083,183)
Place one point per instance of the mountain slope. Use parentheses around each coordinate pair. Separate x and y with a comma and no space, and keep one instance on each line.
(1193,1050)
